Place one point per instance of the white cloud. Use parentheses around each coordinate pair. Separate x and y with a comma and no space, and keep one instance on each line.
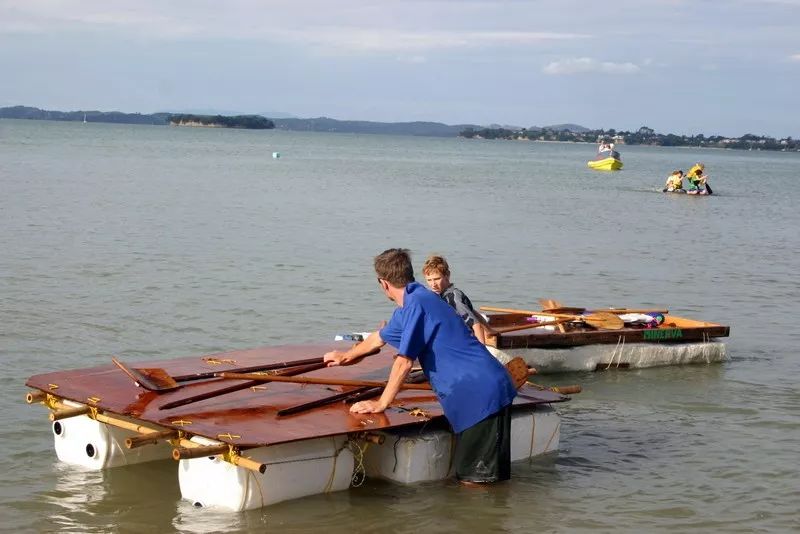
(347,39)
(585,64)
(794,57)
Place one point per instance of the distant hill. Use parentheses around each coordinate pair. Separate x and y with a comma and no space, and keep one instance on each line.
(26,112)
(231,113)
(575,128)
(325,124)
(281,120)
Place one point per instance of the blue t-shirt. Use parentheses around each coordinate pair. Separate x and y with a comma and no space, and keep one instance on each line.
(469,382)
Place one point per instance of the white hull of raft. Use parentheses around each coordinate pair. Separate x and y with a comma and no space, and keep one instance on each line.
(410,457)
(85,442)
(297,469)
(600,357)
(294,470)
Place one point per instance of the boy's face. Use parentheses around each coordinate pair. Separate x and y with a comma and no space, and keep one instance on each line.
(437,282)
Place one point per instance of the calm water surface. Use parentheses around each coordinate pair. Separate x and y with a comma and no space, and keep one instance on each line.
(154,242)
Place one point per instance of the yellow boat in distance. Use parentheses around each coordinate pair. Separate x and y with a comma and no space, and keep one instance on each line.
(606,161)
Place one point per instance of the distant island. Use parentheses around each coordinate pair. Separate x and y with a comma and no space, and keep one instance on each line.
(558,132)
(250,122)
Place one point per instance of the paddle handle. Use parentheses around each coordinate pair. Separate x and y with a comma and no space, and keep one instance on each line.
(622,311)
(319,381)
(526,326)
(618,311)
(238,387)
(530,312)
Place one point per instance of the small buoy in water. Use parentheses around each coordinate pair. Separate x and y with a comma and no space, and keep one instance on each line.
(276,155)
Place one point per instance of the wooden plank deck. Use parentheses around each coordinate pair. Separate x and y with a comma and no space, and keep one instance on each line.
(248,418)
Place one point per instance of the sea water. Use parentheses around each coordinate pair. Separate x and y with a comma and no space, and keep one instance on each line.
(158,242)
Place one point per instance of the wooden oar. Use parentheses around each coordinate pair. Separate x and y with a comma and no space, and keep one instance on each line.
(250,369)
(315,380)
(564,390)
(623,311)
(505,330)
(553,306)
(157,379)
(517,368)
(354,395)
(238,387)
(608,321)
(153,379)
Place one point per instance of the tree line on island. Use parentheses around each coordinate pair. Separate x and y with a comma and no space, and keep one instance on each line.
(642,136)
(561,132)
(250,122)
(253,122)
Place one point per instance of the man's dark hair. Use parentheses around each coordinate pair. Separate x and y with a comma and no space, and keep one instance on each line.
(394,266)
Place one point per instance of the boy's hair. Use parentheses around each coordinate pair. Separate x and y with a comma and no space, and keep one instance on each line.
(394,266)
(436,264)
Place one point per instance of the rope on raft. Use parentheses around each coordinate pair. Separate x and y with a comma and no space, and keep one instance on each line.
(621,340)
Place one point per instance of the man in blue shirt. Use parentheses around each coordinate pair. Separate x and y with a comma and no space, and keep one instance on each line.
(474,389)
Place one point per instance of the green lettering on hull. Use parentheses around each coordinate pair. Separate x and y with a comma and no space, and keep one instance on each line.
(670,333)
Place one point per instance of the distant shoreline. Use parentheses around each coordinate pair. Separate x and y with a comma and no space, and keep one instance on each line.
(562,133)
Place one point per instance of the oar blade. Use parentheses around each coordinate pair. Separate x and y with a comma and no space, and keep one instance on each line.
(143,379)
(554,306)
(159,376)
(604,320)
(518,369)
(550,304)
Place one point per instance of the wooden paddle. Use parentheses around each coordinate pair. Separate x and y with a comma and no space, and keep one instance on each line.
(564,390)
(517,368)
(354,395)
(315,380)
(153,379)
(505,330)
(157,379)
(291,371)
(602,320)
(553,306)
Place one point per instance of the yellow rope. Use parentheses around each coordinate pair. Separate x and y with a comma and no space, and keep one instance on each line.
(549,441)
(335,457)
(359,469)
(614,353)
(251,473)
(533,434)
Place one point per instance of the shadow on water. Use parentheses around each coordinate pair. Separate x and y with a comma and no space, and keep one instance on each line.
(142,497)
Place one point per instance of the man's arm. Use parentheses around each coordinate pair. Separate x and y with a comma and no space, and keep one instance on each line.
(338,357)
(400,370)
(479,331)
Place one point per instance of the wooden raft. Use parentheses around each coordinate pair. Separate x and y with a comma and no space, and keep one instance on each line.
(674,330)
(248,418)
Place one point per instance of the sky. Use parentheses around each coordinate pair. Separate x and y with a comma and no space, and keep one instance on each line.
(716,67)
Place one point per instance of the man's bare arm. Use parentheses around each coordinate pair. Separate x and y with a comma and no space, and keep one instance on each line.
(338,357)
(400,369)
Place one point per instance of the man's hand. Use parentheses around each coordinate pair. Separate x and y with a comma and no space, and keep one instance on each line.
(334,358)
(368,406)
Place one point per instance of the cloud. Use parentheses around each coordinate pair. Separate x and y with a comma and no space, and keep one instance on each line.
(794,57)
(348,39)
(585,64)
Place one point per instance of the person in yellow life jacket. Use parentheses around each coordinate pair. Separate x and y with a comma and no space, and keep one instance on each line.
(674,183)
(698,180)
